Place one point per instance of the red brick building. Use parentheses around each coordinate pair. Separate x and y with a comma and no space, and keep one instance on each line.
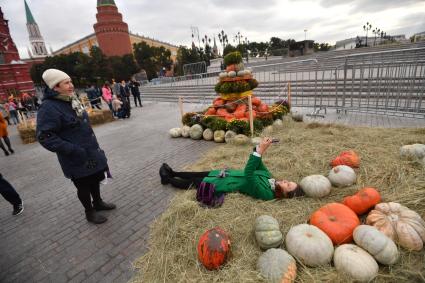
(111,31)
(14,74)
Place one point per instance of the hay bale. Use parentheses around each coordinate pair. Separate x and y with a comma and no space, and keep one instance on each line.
(27,133)
(303,151)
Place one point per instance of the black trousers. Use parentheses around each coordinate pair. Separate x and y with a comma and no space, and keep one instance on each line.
(8,192)
(137,97)
(186,180)
(7,142)
(88,188)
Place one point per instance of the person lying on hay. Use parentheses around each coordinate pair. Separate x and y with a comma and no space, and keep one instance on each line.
(255,180)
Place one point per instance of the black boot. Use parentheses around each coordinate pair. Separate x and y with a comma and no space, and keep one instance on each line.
(6,153)
(164,174)
(168,168)
(101,205)
(94,217)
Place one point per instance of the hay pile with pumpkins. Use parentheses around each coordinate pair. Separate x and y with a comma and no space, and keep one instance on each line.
(360,220)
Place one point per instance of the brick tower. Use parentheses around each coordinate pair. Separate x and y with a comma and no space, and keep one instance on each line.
(111,32)
(14,74)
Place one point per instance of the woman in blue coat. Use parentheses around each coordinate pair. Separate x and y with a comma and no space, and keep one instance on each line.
(63,127)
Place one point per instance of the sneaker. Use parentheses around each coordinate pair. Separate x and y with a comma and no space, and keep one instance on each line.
(18,209)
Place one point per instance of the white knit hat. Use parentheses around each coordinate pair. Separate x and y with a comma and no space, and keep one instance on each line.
(53,76)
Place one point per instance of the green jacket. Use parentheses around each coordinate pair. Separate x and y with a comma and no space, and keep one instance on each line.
(252,181)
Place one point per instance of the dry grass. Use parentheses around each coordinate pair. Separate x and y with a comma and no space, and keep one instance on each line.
(303,150)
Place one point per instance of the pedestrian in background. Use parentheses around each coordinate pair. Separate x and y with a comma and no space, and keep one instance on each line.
(134,87)
(5,136)
(9,193)
(107,95)
(63,127)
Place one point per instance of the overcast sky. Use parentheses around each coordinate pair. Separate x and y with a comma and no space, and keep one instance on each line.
(64,21)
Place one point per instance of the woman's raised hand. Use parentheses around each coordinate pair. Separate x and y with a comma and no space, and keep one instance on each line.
(264,144)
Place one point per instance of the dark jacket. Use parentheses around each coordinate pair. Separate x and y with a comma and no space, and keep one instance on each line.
(60,130)
(134,86)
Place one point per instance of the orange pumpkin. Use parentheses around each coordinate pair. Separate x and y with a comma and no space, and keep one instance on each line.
(211,111)
(241,107)
(256,101)
(239,114)
(222,112)
(349,158)
(363,200)
(214,248)
(254,114)
(337,221)
(263,108)
(230,68)
(218,102)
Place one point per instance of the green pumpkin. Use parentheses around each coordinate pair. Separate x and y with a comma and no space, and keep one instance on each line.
(267,232)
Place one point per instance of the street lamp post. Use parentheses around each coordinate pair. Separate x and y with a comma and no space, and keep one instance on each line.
(305,34)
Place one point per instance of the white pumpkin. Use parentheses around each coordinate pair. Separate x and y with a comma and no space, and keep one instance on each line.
(413,151)
(376,243)
(240,140)
(223,75)
(229,136)
(355,262)
(310,245)
(241,73)
(342,176)
(208,135)
(316,186)
(175,132)
(277,266)
(278,123)
(231,74)
(219,136)
(185,131)
(248,71)
(267,232)
(196,132)
(297,117)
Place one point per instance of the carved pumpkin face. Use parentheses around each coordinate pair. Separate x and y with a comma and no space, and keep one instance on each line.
(349,158)
(363,200)
(337,221)
(213,248)
(399,223)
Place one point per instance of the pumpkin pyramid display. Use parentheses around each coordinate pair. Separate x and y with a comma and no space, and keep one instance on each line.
(235,85)
(214,248)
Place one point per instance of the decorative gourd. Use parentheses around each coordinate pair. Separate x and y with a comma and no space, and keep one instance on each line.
(278,123)
(242,73)
(208,135)
(399,223)
(211,111)
(376,243)
(255,101)
(196,132)
(263,108)
(413,151)
(248,71)
(175,132)
(349,158)
(232,74)
(219,136)
(355,262)
(240,139)
(337,221)
(316,186)
(277,266)
(342,176)
(297,117)
(218,102)
(185,131)
(229,136)
(363,200)
(309,244)
(213,248)
(267,232)
(223,75)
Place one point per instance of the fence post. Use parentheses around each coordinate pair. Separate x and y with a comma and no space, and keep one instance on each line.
(181,108)
(251,118)
(289,94)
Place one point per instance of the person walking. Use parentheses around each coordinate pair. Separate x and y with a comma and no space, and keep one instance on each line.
(63,127)
(107,95)
(5,113)
(125,92)
(5,135)
(9,193)
(134,87)
(115,87)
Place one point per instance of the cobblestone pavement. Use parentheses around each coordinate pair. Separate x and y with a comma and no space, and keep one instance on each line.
(52,241)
